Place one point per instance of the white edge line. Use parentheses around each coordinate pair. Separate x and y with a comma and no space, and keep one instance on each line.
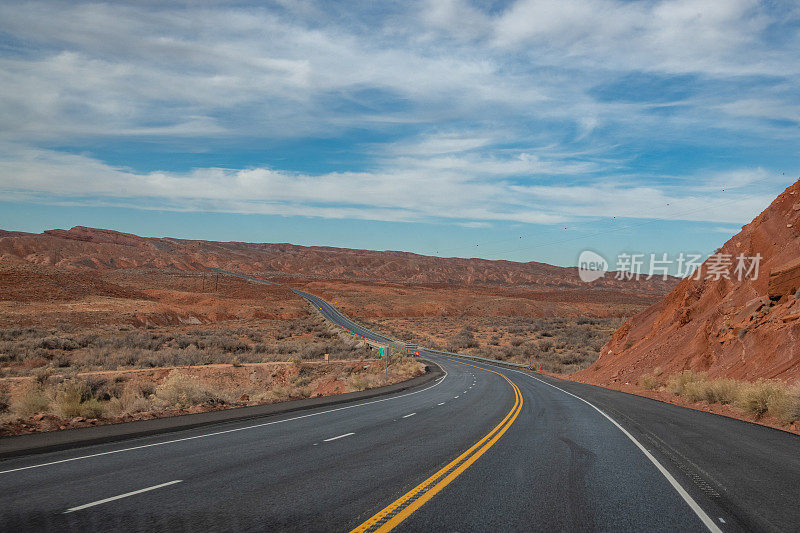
(111,499)
(132,448)
(701,514)
(339,437)
(409,414)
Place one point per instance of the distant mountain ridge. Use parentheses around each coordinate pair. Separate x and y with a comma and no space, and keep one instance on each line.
(100,249)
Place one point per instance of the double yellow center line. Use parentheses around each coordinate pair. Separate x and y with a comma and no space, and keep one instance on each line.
(393,514)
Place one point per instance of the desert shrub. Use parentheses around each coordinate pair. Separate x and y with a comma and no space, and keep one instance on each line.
(311,351)
(11,334)
(74,398)
(405,367)
(58,343)
(651,381)
(32,400)
(181,390)
(677,383)
(358,382)
(463,339)
(60,361)
(756,398)
(786,407)
(5,398)
(722,391)
(42,375)
(224,344)
(134,399)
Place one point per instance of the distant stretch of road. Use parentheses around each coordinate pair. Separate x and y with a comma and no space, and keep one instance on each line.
(485,448)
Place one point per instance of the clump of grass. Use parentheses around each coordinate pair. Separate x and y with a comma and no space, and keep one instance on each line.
(33,400)
(723,391)
(182,391)
(758,398)
(135,398)
(677,383)
(650,381)
(406,367)
(357,382)
(786,407)
(74,399)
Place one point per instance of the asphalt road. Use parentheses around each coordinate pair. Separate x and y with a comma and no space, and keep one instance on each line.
(483,449)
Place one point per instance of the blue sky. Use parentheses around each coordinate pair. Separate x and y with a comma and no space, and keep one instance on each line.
(526,130)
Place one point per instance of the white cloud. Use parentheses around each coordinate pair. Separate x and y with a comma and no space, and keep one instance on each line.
(393,193)
(493,114)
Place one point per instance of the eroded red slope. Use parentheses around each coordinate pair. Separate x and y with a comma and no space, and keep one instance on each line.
(745,329)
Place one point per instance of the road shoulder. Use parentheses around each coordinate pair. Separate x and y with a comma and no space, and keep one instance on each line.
(52,441)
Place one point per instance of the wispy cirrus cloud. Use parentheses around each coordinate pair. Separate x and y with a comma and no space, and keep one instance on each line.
(534,112)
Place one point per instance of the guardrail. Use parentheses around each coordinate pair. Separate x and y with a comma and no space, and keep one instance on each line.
(477,358)
(372,342)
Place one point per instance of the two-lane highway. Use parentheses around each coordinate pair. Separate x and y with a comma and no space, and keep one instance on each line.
(321,470)
(483,448)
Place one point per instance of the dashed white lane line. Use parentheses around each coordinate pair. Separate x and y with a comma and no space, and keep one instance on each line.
(454,397)
(339,437)
(440,403)
(215,433)
(409,414)
(111,499)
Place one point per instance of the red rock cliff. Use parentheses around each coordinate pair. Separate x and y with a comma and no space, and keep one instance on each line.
(744,329)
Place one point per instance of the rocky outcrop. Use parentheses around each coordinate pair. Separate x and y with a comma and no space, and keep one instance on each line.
(784,281)
(744,328)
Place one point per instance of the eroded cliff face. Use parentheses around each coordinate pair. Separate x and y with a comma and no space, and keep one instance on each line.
(745,329)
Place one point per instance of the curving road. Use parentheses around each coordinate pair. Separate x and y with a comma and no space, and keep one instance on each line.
(484,448)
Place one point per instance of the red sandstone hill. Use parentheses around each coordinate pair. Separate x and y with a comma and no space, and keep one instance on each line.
(98,249)
(745,329)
